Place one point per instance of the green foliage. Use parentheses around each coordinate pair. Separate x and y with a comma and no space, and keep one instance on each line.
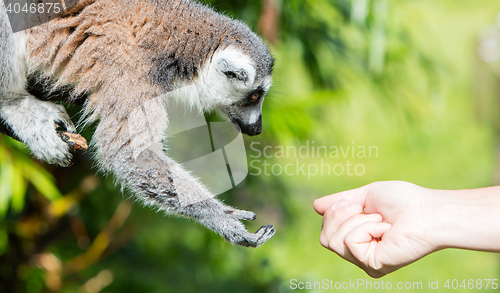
(17,171)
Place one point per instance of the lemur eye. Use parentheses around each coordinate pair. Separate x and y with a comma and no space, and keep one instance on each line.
(231,74)
(254,97)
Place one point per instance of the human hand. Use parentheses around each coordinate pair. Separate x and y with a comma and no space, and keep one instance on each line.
(380,227)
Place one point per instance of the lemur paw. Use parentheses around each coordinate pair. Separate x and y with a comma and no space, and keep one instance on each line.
(226,221)
(244,238)
(36,123)
(235,232)
(264,233)
(46,143)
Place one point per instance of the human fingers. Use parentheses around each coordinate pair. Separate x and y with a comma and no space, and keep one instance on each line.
(337,239)
(362,242)
(336,216)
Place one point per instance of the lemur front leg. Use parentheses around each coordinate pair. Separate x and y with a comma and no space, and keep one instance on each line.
(165,181)
(138,160)
(36,124)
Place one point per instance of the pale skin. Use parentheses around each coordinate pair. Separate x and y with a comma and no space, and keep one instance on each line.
(384,226)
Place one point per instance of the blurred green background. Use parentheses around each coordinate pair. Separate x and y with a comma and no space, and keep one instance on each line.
(416,79)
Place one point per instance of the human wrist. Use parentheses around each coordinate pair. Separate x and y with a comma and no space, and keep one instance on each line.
(466,219)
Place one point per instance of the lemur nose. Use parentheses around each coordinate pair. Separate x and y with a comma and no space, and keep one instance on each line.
(254,128)
(254,131)
(249,129)
(258,129)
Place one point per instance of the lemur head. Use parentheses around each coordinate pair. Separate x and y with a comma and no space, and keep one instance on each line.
(236,86)
(219,65)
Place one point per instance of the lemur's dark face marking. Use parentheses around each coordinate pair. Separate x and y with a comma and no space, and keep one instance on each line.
(229,85)
(246,114)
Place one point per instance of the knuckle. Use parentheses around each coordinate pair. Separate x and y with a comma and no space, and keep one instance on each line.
(324,240)
(336,244)
(342,213)
(336,207)
(329,212)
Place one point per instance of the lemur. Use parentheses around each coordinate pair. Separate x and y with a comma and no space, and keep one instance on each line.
(117,57)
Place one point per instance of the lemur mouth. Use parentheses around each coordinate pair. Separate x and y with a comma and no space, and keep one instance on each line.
(249,129)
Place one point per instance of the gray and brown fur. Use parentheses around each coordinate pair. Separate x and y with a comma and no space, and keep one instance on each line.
(116,57)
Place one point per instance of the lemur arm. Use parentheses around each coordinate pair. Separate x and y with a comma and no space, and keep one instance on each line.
(131,148)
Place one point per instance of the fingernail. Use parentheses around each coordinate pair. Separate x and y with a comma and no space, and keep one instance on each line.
(353,207)
(375,216)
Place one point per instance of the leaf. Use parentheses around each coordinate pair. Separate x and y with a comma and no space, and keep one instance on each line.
(18,186)
(4,241)
(43,181)
(5,188)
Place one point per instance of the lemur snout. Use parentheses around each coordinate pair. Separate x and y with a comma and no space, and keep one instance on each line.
(250,129)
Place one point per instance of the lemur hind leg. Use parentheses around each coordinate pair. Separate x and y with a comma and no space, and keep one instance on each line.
(36,124)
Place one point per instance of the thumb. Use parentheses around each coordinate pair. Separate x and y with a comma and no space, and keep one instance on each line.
(358,195)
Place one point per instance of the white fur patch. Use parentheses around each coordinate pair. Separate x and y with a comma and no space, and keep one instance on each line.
(254,116)
(19,42)
(267,83)
(212,87)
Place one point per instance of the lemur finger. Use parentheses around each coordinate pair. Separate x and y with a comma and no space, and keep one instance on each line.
(63,119)
(65,123)
(265,232)
(242,215)
(260,237)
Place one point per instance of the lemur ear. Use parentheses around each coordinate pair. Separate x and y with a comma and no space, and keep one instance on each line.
(232,71)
